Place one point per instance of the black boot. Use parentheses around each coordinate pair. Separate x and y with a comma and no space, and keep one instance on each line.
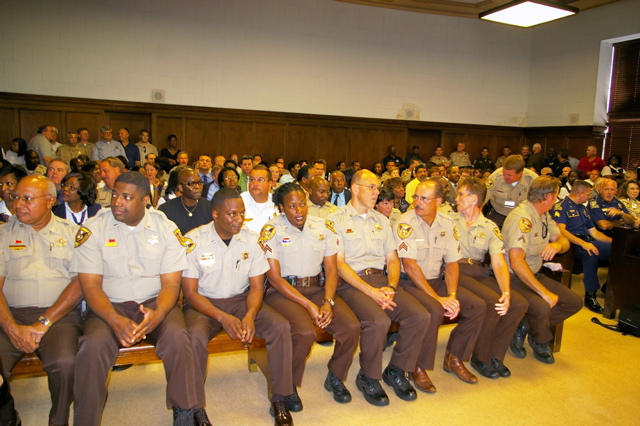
(591,302)
(8,414)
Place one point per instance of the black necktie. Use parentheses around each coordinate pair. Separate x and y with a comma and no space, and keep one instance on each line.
(205,179)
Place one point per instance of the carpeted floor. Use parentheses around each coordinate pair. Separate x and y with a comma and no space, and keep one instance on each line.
(594,381)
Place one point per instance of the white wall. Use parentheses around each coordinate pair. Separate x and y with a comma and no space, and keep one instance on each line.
(308,56)
(564,65)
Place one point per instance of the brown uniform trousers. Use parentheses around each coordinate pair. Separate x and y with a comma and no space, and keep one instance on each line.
(540,316)
(464,336)
(57,351)
(497,331)
(412,318)
(344,327)
(270,326)
(98,350)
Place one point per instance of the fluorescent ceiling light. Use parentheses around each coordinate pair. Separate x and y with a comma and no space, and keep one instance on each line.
(527,13)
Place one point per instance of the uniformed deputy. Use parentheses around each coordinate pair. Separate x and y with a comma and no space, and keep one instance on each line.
(367,245)
(302,252)
(438,159)
(425,240)
(39,296)
(507,187)
(531,237)
(606,211)
(257,199)
(223,288)
(505,308)
(129,261)
(459,157)
(484,162)
(590,245)
(319,206)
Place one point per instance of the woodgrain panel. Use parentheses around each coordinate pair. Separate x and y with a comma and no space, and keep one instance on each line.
(366,147)
(475,143)
(397,138)
(428,141)
(89,120)
(236,137)
(165,126)
(450,141)
(302,143)
(270,140)
(333,144)
(201,137)
(134,122)
(7,131)
(31,119)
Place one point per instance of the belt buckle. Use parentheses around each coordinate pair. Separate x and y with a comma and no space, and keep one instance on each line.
(305,282)
(470,261)
(367,271)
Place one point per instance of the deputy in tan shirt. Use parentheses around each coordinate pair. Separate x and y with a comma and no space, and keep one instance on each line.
(319,190)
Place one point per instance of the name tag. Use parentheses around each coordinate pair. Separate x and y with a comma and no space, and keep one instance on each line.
(510,204)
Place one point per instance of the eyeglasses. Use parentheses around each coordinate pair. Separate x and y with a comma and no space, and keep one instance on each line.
(7,184)
(371,187)
(71,188)
(261,180)
(190,184)
(27,199)
(230,178)
(423,199)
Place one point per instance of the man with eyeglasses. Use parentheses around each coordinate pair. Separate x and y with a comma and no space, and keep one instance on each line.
(257,200)
(374,296)
(190,210)
(532,237)
(40,297)
(426,241)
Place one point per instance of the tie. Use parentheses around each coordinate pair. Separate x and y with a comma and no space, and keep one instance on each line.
(335,200)
(205,179)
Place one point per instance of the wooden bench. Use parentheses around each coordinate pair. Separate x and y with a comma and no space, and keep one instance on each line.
(144,352)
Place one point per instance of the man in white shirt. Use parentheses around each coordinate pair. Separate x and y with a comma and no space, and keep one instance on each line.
(257,200)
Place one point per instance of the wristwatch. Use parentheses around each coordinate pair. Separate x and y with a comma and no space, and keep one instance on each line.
(329,301)
(45,321)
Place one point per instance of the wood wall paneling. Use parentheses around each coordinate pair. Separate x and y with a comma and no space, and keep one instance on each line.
(397,138)
(333,143)
(236,137)
(163,127)
(270,141)
(428,141)
(135,122)
(201,137)
(302,143)
(32,119)
(450,142)
(90,120)
(366,147)
(7,127)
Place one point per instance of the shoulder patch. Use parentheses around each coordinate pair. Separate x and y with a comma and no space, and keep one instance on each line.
(267,232)
(404,230)
(82,235)
(184,242)
(557,206)
(525,225)
(593,204)
(489,183)
(455,233)
(496,231)
(330,226)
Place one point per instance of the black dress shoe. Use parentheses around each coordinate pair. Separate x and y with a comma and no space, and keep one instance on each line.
(517,344)
(8,414)
(485,369)
(603,289)
(334,385)
(591,302)
(541,351)
(397,379)
(121,367)
(372,391)
(281,416)
(293,401)
(502,370)
(200,417)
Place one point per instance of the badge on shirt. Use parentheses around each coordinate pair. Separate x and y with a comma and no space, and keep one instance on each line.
(321,237)
(443,233)
(82,235)
(61,242)
(329,225)
(404,230)
(112,243)
(207,260)
(481,235)
(286,241)
(525,225)
(153,240)
(17,245)
(489,183)
(378,227)
(245,256)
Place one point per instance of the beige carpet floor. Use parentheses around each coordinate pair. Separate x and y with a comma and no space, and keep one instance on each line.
(594,381)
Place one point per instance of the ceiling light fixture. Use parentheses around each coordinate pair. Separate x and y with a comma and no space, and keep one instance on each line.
(527,13)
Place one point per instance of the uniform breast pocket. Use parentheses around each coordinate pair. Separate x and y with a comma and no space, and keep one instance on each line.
(242,266)
(19,260)
(434,265)
(353,243)
(151,259)
(115,263)
(59,259)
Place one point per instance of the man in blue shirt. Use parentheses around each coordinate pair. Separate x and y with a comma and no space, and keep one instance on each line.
(131,150)
(606,211)
(589,245)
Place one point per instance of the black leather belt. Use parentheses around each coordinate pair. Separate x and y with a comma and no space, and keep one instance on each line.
(302,281)
(469,260)
(585,237)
